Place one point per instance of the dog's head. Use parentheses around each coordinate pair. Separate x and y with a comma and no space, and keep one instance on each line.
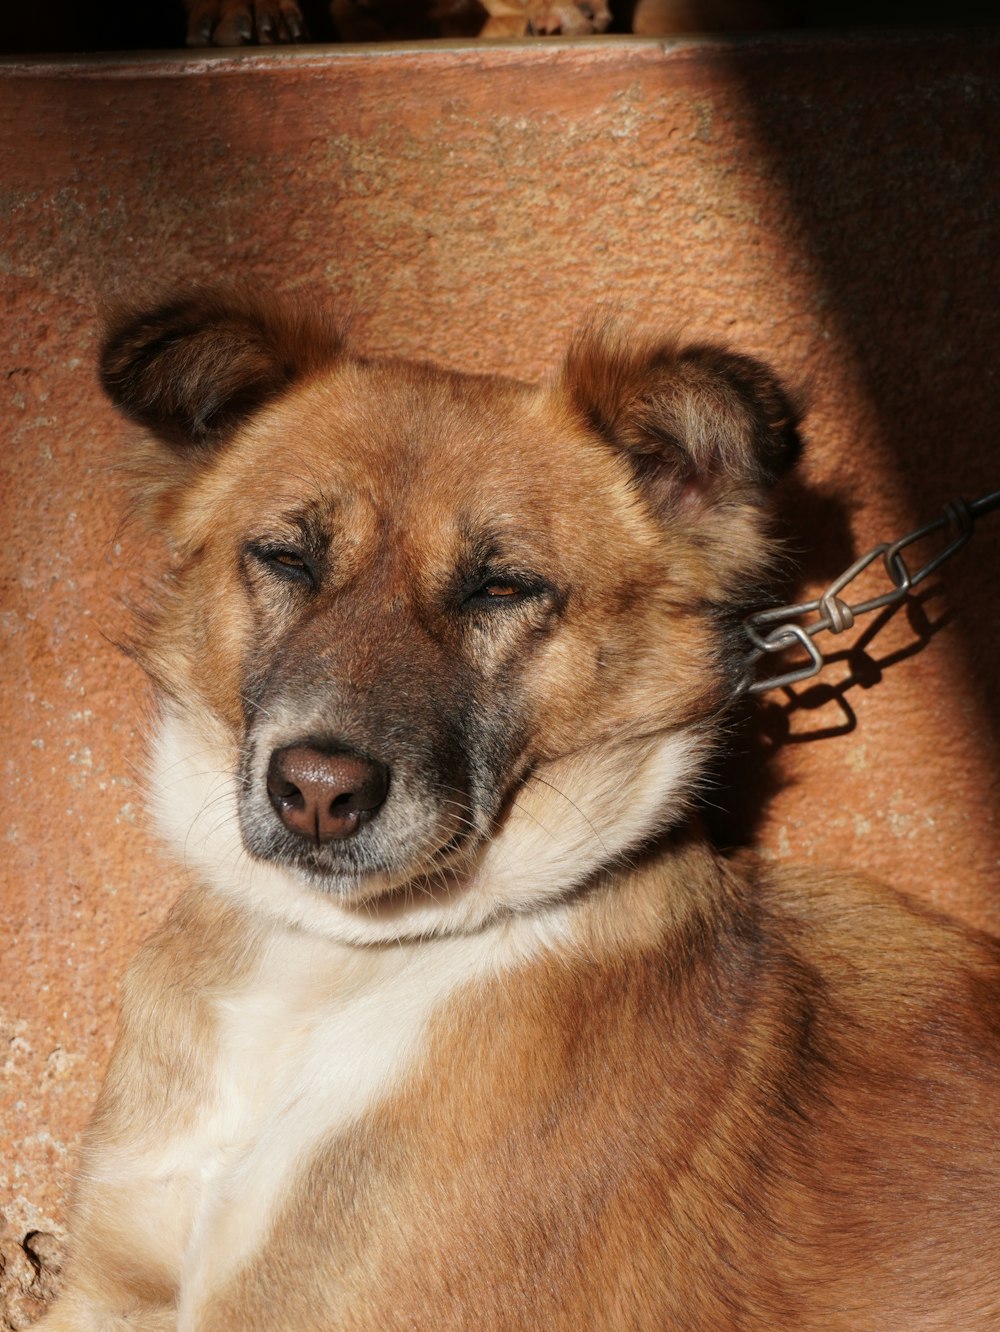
(438,645)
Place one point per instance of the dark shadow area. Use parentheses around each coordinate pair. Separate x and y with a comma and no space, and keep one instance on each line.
(88,26)
(67,26)
(902,237)
(813,528)
(746,780)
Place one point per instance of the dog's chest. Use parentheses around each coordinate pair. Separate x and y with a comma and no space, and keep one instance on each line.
(313,1040)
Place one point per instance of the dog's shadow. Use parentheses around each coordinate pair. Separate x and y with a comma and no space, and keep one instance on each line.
(748,775)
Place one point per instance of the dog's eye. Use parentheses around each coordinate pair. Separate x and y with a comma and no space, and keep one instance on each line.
(286,563)
(287,559)
(502,592)
(494,593)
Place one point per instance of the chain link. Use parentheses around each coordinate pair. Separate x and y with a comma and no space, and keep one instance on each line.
(776,630)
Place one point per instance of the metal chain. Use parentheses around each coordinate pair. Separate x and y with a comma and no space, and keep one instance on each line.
(835,614)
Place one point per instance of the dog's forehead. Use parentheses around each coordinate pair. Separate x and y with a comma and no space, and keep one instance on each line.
(428,445)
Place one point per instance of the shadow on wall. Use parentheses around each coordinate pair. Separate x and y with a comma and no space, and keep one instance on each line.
(901,234)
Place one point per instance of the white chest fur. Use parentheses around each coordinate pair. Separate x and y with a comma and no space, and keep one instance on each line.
(317,1035)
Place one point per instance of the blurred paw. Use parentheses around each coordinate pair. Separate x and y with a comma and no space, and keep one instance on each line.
(244,22)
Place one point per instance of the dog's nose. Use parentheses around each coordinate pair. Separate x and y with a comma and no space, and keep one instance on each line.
(325,794)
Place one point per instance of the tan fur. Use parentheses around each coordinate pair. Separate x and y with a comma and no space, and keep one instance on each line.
(544,1059)
(695,1172)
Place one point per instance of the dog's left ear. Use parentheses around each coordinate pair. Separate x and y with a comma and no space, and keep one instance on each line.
(193,368)
(697,422)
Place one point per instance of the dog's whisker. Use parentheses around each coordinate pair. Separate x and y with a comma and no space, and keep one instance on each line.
(541,781)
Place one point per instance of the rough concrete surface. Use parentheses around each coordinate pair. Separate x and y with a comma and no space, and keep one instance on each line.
(828,204)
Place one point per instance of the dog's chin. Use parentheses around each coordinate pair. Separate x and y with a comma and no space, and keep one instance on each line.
(388,885)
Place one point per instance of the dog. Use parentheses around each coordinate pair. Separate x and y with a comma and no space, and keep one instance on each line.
(464,1024)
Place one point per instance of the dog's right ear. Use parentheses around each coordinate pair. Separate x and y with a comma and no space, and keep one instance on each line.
(193,368)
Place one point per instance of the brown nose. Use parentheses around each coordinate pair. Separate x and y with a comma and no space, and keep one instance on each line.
(325,794)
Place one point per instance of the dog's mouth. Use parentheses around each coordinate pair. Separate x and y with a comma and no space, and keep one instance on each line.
(365,871)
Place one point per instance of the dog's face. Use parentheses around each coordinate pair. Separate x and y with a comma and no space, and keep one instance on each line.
(438,644)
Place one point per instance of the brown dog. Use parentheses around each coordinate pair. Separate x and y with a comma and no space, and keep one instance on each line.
(465,1026)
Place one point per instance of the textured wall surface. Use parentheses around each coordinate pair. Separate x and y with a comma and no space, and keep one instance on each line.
(830,205)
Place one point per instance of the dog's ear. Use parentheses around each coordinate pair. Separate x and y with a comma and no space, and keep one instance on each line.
(192,368)
(696,422)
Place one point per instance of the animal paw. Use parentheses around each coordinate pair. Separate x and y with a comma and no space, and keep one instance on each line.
(572,18)
(244,22)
